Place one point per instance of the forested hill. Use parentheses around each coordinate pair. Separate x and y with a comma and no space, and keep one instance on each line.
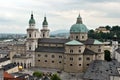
(105,36)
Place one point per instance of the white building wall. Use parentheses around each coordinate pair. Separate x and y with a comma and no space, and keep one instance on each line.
(5,63)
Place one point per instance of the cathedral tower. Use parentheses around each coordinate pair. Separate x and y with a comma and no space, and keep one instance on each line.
(114,46)
(45,31)
(32,35)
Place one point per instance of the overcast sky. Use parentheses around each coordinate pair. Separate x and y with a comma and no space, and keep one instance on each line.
(61,14)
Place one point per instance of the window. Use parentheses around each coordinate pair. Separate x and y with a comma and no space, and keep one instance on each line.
(39,55)
(46,56)
(60,56)
(99,50)
(52,61)
(45,60)
(71,51)
(71,58)
(76,37)
(29,47)
(43,35)
(79,50)
(87,64)
(87,58)
(53,56)
(60,62)
(70,64)
(82,37)
(29,34)
(79,64)
(79,58)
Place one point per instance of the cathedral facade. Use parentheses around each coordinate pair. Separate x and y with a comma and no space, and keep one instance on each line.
(71,55)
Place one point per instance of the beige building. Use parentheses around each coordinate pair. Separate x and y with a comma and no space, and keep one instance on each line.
(71,55)
(102,29)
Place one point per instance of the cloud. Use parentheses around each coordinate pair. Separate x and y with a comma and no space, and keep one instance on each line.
(61,14)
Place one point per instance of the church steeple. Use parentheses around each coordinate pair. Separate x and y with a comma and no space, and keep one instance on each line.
(45,23)
(79,20)
(45,31)
(31,21)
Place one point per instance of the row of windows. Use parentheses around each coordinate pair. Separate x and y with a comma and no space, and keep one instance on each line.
(52,61)
(78,37)
(30,35)
(71,51)
(71,58)
(53,56)
(56,45)
(64,63)
(79,64)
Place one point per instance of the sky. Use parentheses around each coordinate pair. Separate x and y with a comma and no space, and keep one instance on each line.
(61,14)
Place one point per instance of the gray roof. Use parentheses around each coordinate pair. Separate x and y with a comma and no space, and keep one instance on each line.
(4,59)
(101,70)
(4,51)
(92,42)
(50,49)
(88,52)
(53,40)
(118,50)
(9,66)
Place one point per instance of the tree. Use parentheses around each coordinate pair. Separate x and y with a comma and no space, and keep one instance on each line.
(108,27)
(55,77)
(107,56)
(37,74)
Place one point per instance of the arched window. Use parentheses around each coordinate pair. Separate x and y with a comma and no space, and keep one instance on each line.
(24,65)
(30,35)
(71,51)
(76,37)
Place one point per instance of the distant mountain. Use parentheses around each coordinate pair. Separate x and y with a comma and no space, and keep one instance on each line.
(59,32)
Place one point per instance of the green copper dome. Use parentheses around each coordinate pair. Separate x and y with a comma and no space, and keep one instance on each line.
(78,27)
(45,21)
(31,21)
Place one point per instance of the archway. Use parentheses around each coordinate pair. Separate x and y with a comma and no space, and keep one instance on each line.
(107,55)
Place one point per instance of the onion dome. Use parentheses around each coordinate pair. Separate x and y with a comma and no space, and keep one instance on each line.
(45,21)
(32,21)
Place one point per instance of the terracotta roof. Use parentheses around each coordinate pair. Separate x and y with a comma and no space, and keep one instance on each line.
(7,75)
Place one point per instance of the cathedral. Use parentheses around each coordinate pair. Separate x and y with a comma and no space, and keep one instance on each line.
(73,54)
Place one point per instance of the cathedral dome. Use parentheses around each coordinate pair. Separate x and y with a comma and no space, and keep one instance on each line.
(78,27)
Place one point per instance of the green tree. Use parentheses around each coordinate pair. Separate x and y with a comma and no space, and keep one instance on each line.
(107,56)
(37,74)
(55,77)
(108,27)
